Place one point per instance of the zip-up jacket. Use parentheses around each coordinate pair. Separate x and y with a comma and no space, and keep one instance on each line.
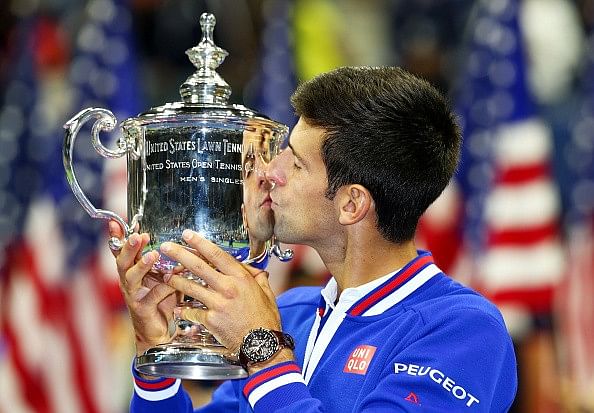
(412,341)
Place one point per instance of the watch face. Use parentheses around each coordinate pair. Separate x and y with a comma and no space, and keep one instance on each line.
(260,345)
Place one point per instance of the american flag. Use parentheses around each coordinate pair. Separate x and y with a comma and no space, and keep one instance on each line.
(511,205)
(574,300)
(60,303)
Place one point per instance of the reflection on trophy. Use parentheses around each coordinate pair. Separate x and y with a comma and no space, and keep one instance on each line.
(258,221)
(196,164)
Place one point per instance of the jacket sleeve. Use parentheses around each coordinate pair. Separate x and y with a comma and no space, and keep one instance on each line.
(167,395)
(159,395)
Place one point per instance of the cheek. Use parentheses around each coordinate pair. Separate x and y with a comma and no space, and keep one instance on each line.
(311,200)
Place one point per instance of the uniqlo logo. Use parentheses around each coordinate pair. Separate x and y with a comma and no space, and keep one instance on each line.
(359,359)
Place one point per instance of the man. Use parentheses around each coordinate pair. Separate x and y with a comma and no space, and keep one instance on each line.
(373,148)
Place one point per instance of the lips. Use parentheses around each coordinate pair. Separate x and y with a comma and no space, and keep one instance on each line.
(273,203)
(267,202)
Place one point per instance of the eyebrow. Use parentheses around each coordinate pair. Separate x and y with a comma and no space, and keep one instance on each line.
(295,153)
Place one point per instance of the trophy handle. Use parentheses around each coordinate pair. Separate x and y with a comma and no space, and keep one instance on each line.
(106,121)
(283,256)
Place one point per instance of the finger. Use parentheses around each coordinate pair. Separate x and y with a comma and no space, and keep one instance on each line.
(167,305)
(193,314)
(157,294)
(127,255)
(192,288)
(213,254)
(263,281)
(253,270)
(144,240)
(115,231)
(132,281)
(194,264)
(141,293)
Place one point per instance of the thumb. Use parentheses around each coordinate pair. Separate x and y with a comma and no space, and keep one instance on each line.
(194,315)
(262,280)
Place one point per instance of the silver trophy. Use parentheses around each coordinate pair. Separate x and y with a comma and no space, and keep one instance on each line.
(196,164)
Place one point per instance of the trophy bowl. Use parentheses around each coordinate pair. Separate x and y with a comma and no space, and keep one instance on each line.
(196,164)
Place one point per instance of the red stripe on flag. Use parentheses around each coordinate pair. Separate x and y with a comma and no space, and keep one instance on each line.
(108,289)
(535,299)
(31,383)
(523,235)
(34,391)
(81,372)
(520,174)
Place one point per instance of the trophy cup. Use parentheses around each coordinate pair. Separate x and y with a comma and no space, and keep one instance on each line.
(194,164)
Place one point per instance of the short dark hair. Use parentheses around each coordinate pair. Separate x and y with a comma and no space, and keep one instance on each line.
(387,130)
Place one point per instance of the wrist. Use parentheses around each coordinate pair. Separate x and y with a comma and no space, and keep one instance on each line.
(143,345)
(282,356)
(141,349)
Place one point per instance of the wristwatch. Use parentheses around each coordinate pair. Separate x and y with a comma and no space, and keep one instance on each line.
(261,344)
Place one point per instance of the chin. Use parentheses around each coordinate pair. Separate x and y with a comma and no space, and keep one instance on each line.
(283,235)
(264,231)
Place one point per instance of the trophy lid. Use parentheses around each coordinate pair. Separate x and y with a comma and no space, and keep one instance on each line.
(205,93)
(205,85)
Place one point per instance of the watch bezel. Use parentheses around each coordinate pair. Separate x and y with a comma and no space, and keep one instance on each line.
(272,345)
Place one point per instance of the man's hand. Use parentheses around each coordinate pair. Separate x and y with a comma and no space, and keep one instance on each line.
(238,298)
(149,301)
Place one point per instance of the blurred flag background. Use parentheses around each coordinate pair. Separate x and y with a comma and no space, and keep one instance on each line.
(515,223)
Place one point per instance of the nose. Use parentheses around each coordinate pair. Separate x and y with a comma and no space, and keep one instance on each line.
(275,170)
(259,173)
(263,182)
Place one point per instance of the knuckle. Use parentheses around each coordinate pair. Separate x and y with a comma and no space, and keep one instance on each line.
(199,267)
(214,307)
(217,254)
(189,288)
(228,291)
(209,318)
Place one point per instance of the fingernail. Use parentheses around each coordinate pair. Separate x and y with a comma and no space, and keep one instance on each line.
(167,276)
(187,234)
(133,240)
(113,227)
(166,247)
(147,258)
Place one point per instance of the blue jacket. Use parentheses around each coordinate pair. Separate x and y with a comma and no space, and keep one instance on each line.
(418,342)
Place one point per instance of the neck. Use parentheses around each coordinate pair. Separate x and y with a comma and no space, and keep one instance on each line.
(370,257)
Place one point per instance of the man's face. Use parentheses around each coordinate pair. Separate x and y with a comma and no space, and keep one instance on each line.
(258,217)
(302,213)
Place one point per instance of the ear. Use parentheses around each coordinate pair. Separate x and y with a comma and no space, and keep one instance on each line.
(354,202)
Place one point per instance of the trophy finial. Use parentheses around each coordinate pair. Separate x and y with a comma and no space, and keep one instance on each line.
(207,23)
(206,86)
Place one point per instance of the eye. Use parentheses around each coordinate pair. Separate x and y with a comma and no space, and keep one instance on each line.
(249,161)
(248,167)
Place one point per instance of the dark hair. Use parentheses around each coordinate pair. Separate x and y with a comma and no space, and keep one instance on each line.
(387,130)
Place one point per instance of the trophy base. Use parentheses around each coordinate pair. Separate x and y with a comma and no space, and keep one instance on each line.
(190,362)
